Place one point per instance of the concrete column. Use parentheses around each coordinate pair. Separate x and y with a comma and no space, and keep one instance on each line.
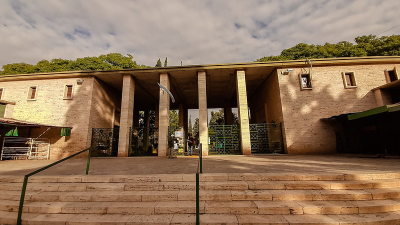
(127,102)
(181,115)
(228,115)
(203,128)
(243,112)
(163,119)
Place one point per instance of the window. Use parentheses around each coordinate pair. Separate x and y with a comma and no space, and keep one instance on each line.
(391,75)
(349,80)
(305,81)
(32,93)
(1,93)
(68,91)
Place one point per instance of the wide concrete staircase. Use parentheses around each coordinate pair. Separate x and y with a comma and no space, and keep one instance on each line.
(283,199)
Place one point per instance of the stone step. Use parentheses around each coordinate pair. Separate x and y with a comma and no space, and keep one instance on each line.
(211,207)
(219,185)
(391,218)
(206,195)
(191,177)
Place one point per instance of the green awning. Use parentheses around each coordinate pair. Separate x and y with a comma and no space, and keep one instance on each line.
(375,111)
(65,131)
(12,133)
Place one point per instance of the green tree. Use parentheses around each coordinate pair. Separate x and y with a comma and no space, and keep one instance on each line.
(173,122)
(367,45)
(165,62)
(217,118)
(158,63)
(196,128)
(190,128)
(112,61)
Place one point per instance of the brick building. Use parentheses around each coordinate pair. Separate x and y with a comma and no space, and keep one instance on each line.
(285,106)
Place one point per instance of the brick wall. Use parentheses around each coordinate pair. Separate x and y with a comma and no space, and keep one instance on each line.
(90,107)
(302,110)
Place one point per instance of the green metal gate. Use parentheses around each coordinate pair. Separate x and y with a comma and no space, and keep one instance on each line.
(224,139)
(104,142)
(143,141)
(266,138)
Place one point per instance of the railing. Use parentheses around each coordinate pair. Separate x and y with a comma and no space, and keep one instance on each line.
(199,170)
(21,202)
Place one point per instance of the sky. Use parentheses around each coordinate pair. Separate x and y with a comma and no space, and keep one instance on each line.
(187,31)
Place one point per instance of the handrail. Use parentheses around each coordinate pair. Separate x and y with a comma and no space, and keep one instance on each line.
(21,202)
(199,170)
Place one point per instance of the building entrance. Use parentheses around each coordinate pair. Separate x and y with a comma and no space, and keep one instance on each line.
(105,142)
(143,141)
(266,138)
(224,140)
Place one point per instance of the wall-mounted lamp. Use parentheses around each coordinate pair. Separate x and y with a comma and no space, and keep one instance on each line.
(287,71)
(79,81)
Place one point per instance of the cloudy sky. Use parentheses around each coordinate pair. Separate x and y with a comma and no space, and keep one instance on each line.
(195,32)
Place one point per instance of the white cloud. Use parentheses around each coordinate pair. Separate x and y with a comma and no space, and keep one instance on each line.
(195,32)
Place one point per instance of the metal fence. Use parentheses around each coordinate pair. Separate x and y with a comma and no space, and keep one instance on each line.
(105,142)
(25,148)
(224,139)
(266,138)
(143,141)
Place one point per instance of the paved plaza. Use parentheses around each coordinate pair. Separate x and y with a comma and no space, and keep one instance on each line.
(304,164)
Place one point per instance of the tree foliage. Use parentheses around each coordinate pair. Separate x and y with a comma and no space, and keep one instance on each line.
(158,63)
(173,122)
(112,61)
(190,127)
(367,45)
(217,118)
(196,128)
(165,62)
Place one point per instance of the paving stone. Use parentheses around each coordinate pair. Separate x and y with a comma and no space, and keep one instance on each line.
(10,218)
(307,185)
(45,207)
(379,176)
(292,195)
(393,183)
(339,195)
(251,195)
(352,185)
(244,177)
(150,186)
(105,187)
(387,193)
(137,208)
(15,195)
(42,187)
(368,219)
(46,196)
(266,185)
(358,176)
(234,207)
(328,207)
(261,220)
(232,185)
(71,187)
(96,179)
(119,196)
(276,177)
(156,196)
(50,219)
(190,177)
(206,219)
(75,196)
(178,207)
(325,177)
(205,195)
(11,187)
(377,206)
(11,179)
(43,179)
(213,177)
(310,219)
(164,219)
(278,207)
(179,186)
(96,219)
(86,207)
(11,206)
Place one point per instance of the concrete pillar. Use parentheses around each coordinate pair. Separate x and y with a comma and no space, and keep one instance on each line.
(243,112)
(203,128)
(228,115)
(128,96)
(163,119)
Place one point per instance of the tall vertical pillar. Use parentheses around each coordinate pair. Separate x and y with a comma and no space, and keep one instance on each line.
(203,128)
(228,115)
(163,118)
(243,112)
(127,102)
